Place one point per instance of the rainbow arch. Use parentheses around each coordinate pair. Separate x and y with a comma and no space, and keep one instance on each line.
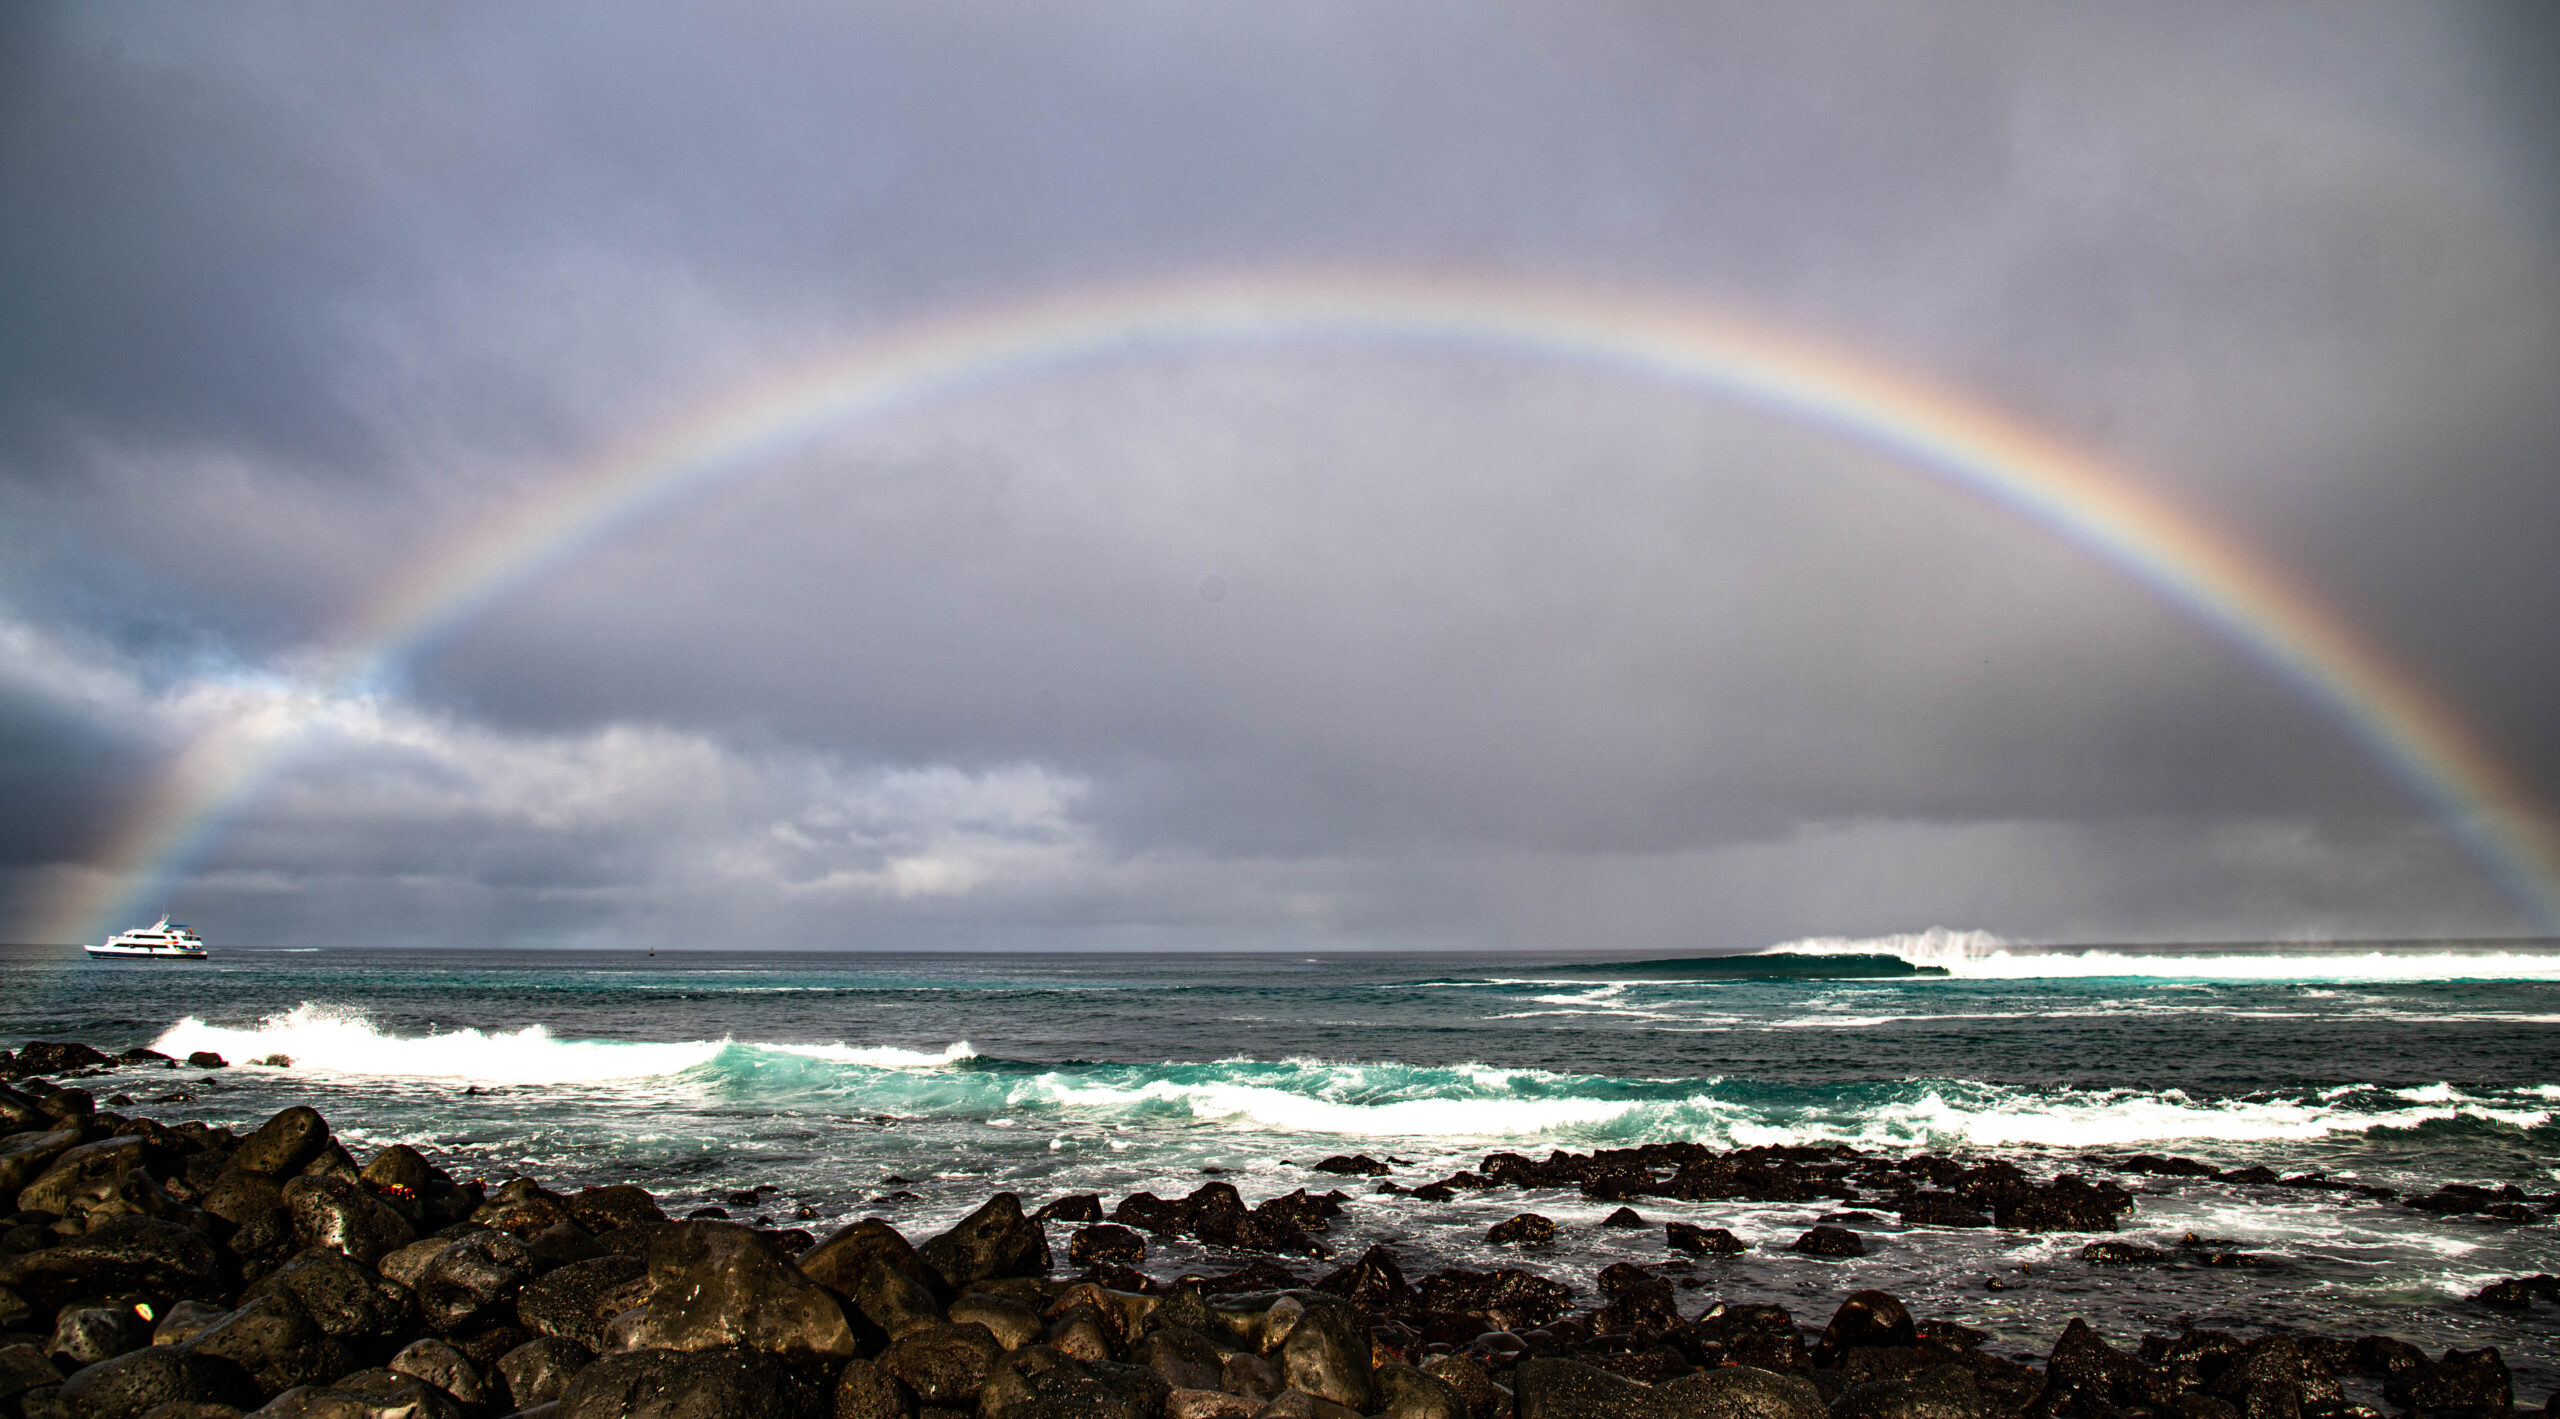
(2222,584)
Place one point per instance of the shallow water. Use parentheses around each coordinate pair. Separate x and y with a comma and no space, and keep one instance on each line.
(701,1073)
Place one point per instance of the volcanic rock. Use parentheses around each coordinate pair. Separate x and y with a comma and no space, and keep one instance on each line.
(1740,1392)
(1528,1230)
(538,1371)
(717,1284)
(1829,1241)
(284,1144)
(124,1387)
(994,1241)
(945,1364)
(472,1279)
(1704,1241)
(570,1303)
(710,1384)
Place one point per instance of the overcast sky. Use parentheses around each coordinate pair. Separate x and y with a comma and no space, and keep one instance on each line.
(1298,645)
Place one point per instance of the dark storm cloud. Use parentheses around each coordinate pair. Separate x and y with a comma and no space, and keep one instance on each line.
(1500,650)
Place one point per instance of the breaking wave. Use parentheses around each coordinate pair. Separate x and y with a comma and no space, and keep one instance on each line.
(1979,955)
(1310,1098)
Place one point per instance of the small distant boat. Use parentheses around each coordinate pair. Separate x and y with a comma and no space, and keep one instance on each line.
(162,940)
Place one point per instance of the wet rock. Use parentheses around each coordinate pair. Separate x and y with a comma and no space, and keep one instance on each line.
(1082,1332)
(1298,1404)
(1702,1241)
(1327,1355)
(1474,1387)
(342,1215)
(994,1241)
(1940,1209)
(538,1371)
(2067,1204)
(57,1057)
(1866,1320)
(160,1262)
(238,1194)
(865,1391)
(185,1321)
(710,1384)
(1405,1392)
(26,1155)
(367,1394)
(1740,1392)
(1639,1300)
(93,1333)
(569,1303)
(2120,1254)
(1548,1388)
(839,1262)
(471,1279)
(895,1302)
(1505,1300)
(444,1367)
(1829,1241)
(1209,1404)
(285,1144)
(1254,1376)
(717,1284)
(564,1243)
(2473,1382)
(1528,1230)
(1374,1281)
(2086,1373)
(276,1341)
(1624,1217)
(944,1364)
(1357,1165)
(1945,1392)
(83,1178)
(1013,1323)
(24,1368)
(1074,1207)
(1185,1358)
(602,1210)
(1038,1381)
(122,1388)
(207,1059)
(1106,1244)
(341,1297)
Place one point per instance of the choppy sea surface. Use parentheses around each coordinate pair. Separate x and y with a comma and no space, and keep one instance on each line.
(824,1076)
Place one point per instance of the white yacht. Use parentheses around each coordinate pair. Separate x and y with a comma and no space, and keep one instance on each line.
(162,940)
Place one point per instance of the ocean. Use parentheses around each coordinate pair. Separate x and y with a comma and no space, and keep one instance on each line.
(834,1081)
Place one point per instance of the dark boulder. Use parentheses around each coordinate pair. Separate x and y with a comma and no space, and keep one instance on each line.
(19,1113)
(207,1059)
(446,1368)
(1624,1217)
(2470,1382)
(86,1335)
(124,1387)
(1013,1323)
(1639,1300)
(1039,1381)
(23,1368)
(603,1210)
(570,1303)
(711,1384)
(158,1261)
(238,1195)
(285,1144)
(1528,1230)
(471,1279)
(401,1168)
(716,1284)
(1403,1392)
(1866,1320)
(1106,1243)
(344,1216)
(1374,1281)
(838,1262)
(895,1302)
(2120,1254)
(865,1391)
(1740,1392)
(1506,1300)
(276,1341)
(1327,1355)
(1475,1387)
(1185,1358)
(26,1155)
(945,1364)
(372,1394)
(1940,1209)
(1357,1165)
(538,1371)
(1943,1392)
(1074,1207)
(1702,1241)
(85,1178)
(58,1057)
(994,1241)
(2085,1373)
(342,1298)
(1548,1388)
(1829,1241)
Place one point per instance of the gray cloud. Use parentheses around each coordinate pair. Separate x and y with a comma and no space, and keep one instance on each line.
(1506,651)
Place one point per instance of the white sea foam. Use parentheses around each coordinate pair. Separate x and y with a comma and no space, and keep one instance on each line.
(1286,1111)
(317,1038)
(1979,955)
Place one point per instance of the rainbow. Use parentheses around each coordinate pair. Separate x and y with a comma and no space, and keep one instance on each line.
(2423,743)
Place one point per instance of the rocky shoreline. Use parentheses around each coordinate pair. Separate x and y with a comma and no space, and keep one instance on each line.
(182,1272)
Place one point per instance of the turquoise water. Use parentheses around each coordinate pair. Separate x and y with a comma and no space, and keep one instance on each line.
(823,1076)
